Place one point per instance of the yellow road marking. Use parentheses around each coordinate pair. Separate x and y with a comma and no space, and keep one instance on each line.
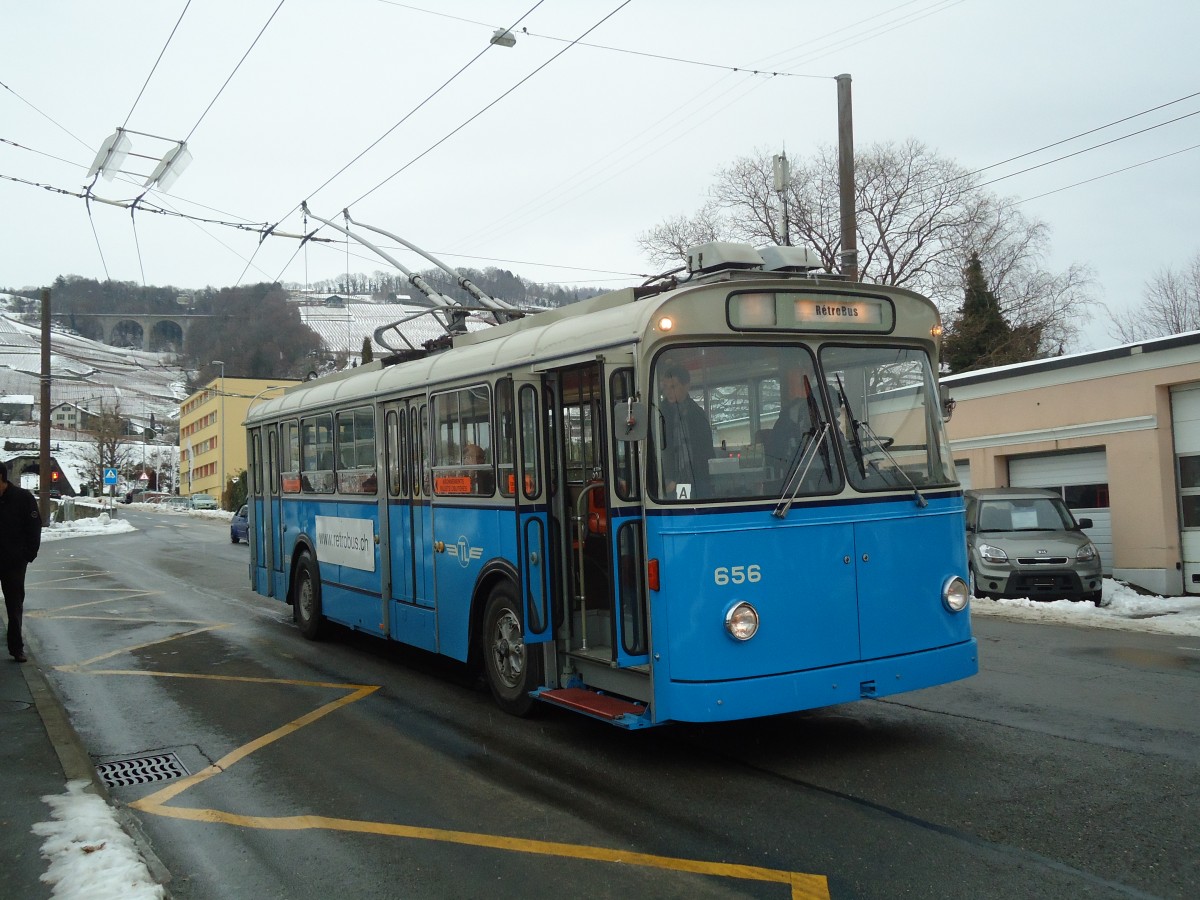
(803,886)
(87,662)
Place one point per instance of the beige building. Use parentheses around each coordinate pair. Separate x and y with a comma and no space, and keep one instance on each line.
(212,441)
(1116,431)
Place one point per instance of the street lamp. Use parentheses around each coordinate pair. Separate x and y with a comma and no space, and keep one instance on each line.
(221,435)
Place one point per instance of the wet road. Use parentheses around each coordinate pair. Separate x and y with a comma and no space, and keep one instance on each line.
(1066,768)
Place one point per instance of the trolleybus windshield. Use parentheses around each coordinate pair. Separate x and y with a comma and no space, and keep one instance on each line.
(745,422)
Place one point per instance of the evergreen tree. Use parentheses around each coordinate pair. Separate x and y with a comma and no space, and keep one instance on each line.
(979,336)
(367,354)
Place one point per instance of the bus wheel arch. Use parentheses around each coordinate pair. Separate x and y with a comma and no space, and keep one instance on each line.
(511,668)
(306,596)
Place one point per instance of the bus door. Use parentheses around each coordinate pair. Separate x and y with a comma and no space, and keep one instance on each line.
(422,515)
(272,528)
(583,489)
(519,403)
(625,420)
(405,544)
(259,522)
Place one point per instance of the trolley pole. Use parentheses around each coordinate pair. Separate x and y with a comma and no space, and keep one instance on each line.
(849,218)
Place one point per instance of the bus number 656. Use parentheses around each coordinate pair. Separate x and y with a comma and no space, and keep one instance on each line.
(737,574)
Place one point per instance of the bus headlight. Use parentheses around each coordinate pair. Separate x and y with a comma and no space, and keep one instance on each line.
(741,621)
(954,594)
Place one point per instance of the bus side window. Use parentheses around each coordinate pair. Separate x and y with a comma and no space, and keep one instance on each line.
(256,463)
(356,451)
(316,454)
(506,437)
(393,430)
(289,457)
(462,451)
(625,459)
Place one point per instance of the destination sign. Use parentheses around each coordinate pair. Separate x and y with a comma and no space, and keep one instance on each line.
(797,311)
(838,312)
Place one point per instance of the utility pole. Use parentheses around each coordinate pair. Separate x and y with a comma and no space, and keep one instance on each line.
(44,480)
(849,219)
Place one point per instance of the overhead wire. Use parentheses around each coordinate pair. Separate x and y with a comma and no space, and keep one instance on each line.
(48,118)
(570,188)
(874,32)
(153,68)
(253,43)
(1116,140)
(928,11)
(415,109)
(554,198)
(488,106)
(1073,137)
(1107,174)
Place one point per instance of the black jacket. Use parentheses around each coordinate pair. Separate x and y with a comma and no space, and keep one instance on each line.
(20,526)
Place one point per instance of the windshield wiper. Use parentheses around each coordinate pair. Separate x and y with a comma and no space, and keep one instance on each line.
(798,469)
(802,459)
(880,443)
(855,442)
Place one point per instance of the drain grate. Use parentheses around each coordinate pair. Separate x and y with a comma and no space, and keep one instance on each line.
(142,770)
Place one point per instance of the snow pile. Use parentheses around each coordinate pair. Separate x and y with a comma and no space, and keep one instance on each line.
(90,855)
(93,527)
(1124,608)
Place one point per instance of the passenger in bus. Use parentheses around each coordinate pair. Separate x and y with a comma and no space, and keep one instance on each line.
(687,437)
(482,481)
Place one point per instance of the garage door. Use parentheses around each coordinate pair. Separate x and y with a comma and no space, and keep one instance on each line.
(1185,423)
(962,468)
(1082,480)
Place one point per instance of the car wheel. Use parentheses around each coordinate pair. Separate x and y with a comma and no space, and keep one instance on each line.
(511,667)
(1096,597)
(306,599)
(233,538)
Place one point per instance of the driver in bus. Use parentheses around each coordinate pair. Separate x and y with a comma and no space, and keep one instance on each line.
(687,438)
(794,420)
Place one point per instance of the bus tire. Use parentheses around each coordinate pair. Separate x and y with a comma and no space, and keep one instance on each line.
(511,668)
(306,599)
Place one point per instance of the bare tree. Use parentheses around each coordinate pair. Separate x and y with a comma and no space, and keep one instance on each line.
(1171,305)
(920,217)
(667,243)
(111,446)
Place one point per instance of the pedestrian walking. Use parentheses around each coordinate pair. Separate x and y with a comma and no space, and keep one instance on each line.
(20,539)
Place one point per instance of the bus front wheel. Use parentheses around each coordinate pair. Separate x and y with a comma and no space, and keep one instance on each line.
(511,666)
(306,599)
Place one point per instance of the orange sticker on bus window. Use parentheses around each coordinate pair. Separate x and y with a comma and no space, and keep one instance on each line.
(452,484)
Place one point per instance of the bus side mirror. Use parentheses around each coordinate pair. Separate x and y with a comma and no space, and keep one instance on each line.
(629,420)
(948,402)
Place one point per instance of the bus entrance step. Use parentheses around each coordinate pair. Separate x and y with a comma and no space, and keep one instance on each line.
(599,705)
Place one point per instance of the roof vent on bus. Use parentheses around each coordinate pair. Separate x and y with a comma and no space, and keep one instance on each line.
(789,259)
(717,255)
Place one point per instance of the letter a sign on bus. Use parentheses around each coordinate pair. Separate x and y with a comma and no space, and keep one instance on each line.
(110,476)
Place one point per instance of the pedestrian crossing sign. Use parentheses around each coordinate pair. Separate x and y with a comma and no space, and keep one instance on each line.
(110,476)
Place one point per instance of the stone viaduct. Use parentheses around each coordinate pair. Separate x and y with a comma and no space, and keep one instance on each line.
(151,331)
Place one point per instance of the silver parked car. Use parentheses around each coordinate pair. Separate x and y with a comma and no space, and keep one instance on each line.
(203,501)
(1024,542)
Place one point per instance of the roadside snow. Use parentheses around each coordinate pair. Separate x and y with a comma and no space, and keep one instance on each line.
(95,527)
(1124,609)
(90,855)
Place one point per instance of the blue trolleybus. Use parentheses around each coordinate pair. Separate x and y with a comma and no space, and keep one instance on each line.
(708,498)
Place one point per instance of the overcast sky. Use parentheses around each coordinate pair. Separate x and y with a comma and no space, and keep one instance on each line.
(555,179)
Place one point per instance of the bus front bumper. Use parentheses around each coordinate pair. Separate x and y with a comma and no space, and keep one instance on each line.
(770,695)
